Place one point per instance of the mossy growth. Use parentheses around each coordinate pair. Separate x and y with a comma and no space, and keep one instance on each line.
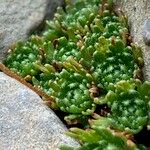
(83,60)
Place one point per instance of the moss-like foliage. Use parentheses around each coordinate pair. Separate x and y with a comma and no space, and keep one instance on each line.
(128,101)
(102,136)
(83,60)
(98,139)
(85,46)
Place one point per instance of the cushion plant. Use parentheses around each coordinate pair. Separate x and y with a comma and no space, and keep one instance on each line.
(84,60)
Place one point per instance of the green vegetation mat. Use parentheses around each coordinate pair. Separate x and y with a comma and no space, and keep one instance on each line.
(85,60)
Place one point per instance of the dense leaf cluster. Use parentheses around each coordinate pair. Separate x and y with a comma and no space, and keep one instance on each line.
(85,59)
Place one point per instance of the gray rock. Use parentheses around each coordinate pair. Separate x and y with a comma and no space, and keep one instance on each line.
(146,31)
(19,18)
(25,122)
(138,12)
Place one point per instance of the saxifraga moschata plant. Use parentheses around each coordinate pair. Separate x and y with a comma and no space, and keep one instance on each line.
(85,60)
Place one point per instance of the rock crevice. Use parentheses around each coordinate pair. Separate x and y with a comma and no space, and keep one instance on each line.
(138,11)
(18,19)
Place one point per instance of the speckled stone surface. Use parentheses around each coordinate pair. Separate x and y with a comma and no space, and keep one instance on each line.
(138,11)
(19,18)
(25,122)
(146,31)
